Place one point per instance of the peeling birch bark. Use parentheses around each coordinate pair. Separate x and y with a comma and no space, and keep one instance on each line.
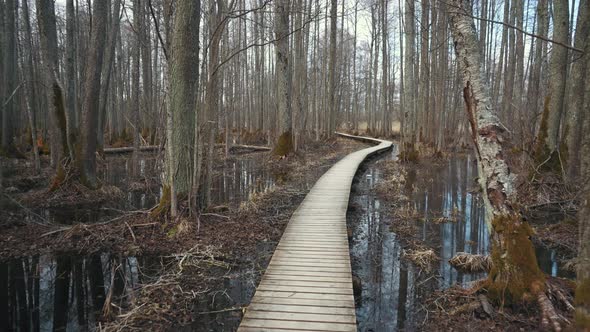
(515,271)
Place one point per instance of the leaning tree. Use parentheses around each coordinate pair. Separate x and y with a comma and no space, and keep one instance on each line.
(515,275)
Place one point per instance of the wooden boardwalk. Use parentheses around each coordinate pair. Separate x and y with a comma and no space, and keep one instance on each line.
(308,283)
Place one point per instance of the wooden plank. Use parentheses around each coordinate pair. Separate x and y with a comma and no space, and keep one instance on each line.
(309,273)
(305,317)
(308,296)
(303,289)
(304,302)
(273,325)
(281,277)
(301,309)
(285,267)
(262,329)
(287,261)
(321,260)
(304,283)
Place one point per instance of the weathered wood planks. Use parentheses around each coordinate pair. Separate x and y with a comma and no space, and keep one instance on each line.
(308,283)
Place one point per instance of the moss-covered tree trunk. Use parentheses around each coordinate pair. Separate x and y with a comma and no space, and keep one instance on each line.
(284,144)
(515,270)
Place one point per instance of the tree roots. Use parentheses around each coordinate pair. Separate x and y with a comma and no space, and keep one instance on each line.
(554,302)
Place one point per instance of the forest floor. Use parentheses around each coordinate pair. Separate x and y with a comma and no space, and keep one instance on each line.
(457,308)
(228,238)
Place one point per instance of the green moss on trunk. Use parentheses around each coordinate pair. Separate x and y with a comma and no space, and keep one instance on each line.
(164,204)
(409,153)
(515,274)
(284,144)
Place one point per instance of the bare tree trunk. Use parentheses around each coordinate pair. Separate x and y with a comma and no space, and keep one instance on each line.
(583,266)
(534,87)
(578,81)
(184,60)
(106,72)
(548,138)
(72,126)
(135,72)
(409,62)
(87,162)
(10,65)
(332,106)
(284,144)
(212,95)
(386,127)
(146,63)
(32,88)
(48,39)
(515,272)
(424,71)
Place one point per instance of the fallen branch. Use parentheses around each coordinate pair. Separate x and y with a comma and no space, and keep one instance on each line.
(44,221)
(150,148)
(215,215)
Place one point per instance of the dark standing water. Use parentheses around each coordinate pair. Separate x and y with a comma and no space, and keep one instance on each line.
(392,287)
(67,292)
(239,179)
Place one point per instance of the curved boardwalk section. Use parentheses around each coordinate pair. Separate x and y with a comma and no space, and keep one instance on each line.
(308,283)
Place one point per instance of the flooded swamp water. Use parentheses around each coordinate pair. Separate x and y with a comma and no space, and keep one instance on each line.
(65,292)
(235,180)
(391,287)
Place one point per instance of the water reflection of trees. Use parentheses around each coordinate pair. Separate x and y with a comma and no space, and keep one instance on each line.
(390,286)
(62,292)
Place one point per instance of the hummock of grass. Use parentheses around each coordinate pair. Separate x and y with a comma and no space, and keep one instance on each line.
(471,263)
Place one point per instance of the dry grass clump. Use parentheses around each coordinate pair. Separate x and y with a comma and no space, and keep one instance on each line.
(470,262)
(253,205)
(422,258)
(394,177)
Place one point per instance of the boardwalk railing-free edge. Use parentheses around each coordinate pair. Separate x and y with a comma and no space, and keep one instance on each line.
(308,283)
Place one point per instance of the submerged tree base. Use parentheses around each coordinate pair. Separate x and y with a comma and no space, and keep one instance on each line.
(284,145)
